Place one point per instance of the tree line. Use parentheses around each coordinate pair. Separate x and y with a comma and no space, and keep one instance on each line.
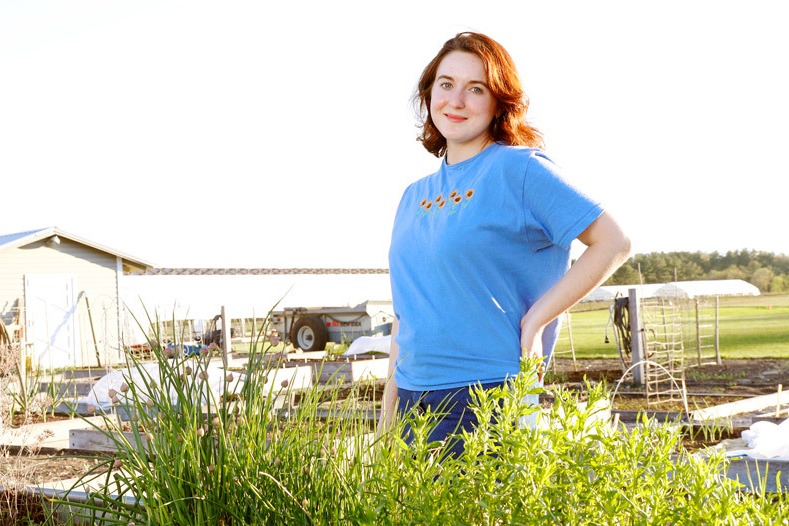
(766,270)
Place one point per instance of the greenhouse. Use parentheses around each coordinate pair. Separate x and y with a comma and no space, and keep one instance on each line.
(677,289)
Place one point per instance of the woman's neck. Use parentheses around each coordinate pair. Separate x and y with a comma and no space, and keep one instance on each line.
(457,153)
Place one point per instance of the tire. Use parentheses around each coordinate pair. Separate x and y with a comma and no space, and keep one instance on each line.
(309,334)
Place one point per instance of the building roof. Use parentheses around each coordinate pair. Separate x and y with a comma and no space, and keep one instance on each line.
(712,287)
(677,289)
(611,292)
(20,239)
(256,271)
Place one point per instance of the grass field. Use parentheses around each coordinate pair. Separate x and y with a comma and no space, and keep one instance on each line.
(749,327)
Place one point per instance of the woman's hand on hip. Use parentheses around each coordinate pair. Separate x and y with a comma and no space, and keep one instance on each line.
(531,341)
(531,344)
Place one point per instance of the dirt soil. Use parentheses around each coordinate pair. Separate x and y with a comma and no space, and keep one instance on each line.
(733,380)
(737,378)
(26,467)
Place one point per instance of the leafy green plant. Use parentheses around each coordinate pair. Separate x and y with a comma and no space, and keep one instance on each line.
(574,469)
(268,454)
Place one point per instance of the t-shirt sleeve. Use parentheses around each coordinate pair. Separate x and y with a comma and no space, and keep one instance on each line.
(562,211)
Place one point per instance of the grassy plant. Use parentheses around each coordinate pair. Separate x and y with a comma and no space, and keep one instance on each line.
(19,505)
(711,431)
(18,508)
(26,395)
(247,458)
(9,358)
(196,457)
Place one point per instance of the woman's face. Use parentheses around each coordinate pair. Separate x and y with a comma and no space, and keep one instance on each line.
(462,105)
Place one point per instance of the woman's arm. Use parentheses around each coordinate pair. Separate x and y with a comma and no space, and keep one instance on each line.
(607,248)
(389,402)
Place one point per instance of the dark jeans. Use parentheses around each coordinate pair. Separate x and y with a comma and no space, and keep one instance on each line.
(452,408)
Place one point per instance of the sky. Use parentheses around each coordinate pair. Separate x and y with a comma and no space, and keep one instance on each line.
(281,134)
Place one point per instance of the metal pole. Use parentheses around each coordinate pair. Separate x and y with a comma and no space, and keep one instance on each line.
(635,336)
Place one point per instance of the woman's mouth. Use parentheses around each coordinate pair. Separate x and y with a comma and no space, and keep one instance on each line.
(454,118)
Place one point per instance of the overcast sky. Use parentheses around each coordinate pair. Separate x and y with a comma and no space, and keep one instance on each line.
(266,134)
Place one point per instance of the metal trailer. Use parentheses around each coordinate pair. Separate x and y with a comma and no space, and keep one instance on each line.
(311,328)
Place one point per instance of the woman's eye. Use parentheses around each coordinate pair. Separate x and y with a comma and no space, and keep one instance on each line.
(446,85)
(477,90)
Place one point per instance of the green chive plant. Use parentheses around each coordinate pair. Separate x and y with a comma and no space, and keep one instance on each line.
(191,455)
(242,457)
(28,398)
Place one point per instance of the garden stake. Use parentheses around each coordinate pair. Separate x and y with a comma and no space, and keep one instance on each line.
(93,332)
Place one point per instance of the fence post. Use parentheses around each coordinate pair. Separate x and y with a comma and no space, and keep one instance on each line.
(226,343)
(636,353)
(698,333)
(717,331)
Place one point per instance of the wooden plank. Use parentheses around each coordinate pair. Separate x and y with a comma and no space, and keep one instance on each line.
(747,405)
(97,440)
(351,370)
(53,434)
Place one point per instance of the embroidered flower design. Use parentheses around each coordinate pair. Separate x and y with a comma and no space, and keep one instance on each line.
(457,199)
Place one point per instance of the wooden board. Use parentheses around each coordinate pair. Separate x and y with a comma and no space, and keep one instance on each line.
(747,405)
(98,440)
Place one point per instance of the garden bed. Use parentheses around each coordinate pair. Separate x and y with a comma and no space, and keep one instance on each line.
(707,386)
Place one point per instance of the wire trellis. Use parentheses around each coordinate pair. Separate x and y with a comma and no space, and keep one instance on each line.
(662,340)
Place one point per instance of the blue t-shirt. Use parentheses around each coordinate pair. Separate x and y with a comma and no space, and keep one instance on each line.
(474,245)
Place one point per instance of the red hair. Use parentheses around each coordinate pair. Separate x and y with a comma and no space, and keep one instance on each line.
(509,126)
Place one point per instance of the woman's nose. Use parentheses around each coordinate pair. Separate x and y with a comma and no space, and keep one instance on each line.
(457,98)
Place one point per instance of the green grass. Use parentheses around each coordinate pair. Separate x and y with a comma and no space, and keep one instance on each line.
(749,327)
(754,332)
(589,332)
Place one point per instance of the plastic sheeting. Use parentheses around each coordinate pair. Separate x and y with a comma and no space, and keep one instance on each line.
(765,440)
(365,344)
(140,377)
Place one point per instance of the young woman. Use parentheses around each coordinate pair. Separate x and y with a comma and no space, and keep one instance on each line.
(480,250)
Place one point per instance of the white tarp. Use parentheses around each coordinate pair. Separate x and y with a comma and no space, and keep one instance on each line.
(765,440)
(365,344)
(141,375)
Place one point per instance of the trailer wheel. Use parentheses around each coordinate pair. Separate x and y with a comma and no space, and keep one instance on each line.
(309,334)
